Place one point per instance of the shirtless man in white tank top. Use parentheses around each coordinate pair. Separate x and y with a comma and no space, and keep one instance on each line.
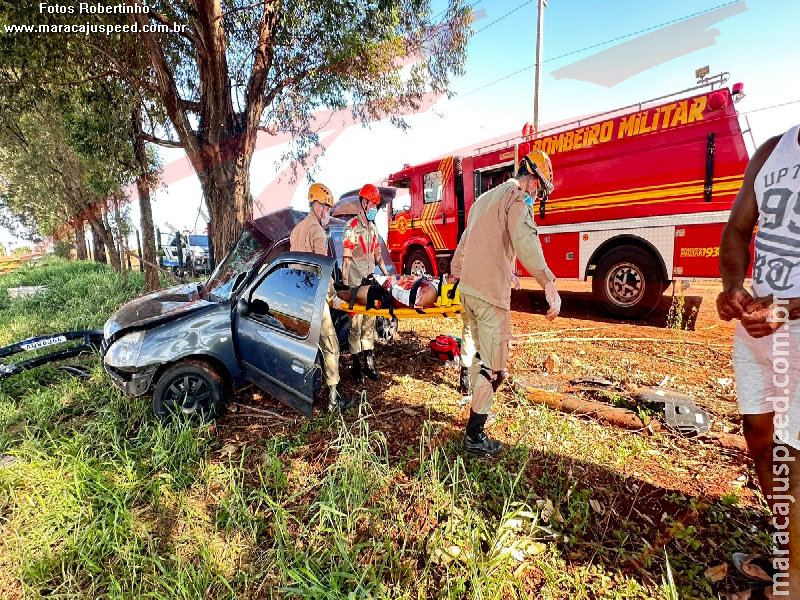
(766,349)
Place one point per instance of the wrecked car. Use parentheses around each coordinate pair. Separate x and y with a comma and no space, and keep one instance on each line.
(255,320)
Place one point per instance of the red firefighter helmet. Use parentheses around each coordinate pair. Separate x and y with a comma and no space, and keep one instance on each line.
(320,193)
(370,193)
(538,163)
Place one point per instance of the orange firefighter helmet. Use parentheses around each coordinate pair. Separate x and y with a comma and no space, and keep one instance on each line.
(537,163)
(320,193)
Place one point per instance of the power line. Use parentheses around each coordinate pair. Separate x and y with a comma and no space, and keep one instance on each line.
(627,35)
(769,107)
(513,10)
(491,83)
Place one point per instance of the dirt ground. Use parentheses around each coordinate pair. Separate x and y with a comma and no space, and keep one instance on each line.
(658,484)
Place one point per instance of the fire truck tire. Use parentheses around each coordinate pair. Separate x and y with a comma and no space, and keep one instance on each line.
(416,262)
(627,282)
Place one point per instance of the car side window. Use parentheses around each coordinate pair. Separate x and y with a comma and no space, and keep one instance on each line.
(285,298)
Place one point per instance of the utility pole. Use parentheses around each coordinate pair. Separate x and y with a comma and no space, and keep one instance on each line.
(539,34)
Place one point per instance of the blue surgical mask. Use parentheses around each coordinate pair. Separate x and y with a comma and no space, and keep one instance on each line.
(528,200)
(371,214)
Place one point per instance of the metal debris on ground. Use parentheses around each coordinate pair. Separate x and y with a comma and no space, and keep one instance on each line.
(680,411)
(591,381)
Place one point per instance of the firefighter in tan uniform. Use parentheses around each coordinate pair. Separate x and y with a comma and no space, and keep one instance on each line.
(361,251)
(500,226)
(309,235)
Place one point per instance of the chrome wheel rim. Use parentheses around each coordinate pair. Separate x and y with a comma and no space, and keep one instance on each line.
(625,285)
(418,268)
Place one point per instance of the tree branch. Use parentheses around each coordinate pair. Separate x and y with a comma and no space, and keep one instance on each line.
(123,72)
(242,8)
(191,105)
(165,143)
(168,90)
(102,75)
(183,31)
(262,63)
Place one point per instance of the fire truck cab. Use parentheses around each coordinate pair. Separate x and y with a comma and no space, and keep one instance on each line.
(641,197)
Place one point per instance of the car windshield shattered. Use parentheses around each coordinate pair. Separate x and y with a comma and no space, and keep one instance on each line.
(231,272)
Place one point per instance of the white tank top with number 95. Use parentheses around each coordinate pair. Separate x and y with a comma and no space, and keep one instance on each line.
(776,266)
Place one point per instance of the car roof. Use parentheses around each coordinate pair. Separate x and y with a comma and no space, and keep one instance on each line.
(276,227)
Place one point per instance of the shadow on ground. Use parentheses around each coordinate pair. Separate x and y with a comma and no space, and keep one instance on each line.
(582,305)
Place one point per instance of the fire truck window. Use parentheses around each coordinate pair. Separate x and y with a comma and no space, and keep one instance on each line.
(432,184)
(491,178)
(401,202)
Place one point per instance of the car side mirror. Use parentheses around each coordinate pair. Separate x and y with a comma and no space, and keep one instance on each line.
(242,308)
(259,307)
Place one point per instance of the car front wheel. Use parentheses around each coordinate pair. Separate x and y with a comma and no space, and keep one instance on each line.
(192,388)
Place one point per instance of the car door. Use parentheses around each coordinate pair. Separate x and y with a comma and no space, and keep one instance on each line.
(276,327)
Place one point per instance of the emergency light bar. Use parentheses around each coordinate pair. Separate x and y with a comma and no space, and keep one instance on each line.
(737,91)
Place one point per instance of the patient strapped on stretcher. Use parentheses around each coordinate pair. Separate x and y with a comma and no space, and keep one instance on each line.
(402,291)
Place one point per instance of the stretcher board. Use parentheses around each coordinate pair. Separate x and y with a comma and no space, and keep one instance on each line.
(445,307)
(405,313)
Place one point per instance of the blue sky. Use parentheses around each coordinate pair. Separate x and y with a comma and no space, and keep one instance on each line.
(757,47)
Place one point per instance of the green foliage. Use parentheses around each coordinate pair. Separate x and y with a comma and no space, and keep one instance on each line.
(79,295)
(238,67)
(62,248)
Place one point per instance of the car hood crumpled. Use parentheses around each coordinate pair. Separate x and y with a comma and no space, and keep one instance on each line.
(155,308)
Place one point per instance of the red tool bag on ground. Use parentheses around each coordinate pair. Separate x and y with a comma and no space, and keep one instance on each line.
(444,347)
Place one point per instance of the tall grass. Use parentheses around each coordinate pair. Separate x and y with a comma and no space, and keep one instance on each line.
(99,500)
(79,295)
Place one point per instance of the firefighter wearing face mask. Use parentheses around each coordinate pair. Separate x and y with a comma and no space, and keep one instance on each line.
(500,227)
(361,252)
(309,235)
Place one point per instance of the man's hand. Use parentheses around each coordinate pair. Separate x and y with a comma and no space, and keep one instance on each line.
(515,282)
(337,302)
(553,300)
(755,317)
(730,305)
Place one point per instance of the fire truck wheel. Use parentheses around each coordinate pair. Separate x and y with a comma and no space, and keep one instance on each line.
(417,263)
(628,282)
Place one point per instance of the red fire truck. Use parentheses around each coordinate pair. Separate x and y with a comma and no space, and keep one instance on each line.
(641,196)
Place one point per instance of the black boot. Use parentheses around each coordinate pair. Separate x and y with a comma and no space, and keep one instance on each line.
(369,365)
(463,381)
(355,370)
(336,402)
(476,441)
